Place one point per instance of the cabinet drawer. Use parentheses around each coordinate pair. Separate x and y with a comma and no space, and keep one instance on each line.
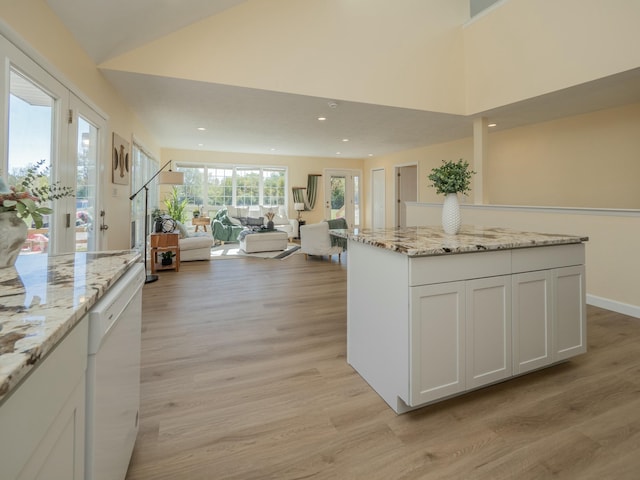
(463,266)
(544,258)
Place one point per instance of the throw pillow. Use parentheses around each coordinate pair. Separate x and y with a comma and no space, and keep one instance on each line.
(182,230)
(251,221)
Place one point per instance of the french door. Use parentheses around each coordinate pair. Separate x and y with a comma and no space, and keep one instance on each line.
(86,141)
(47,123)
(342,196)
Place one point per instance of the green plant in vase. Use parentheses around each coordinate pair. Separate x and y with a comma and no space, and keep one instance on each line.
(450,179)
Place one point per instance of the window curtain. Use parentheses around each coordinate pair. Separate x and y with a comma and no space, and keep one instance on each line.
(309,194)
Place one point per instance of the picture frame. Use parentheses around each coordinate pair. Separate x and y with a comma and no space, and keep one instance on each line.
(121,164)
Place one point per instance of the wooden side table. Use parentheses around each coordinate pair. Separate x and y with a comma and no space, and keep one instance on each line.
(164,242)
(201,222)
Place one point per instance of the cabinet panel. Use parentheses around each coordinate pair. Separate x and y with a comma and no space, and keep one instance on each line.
(546,258)
(488,330)
(531,321)
(569,315)
(437,336)
(454,268)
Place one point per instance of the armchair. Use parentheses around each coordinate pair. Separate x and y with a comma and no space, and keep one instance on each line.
(223,228)
(315,240)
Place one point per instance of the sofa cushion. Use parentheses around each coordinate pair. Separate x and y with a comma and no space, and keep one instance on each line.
(192,243)
(182,230)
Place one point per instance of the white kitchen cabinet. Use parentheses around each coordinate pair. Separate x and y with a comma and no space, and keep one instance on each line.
(569,314)
(532,329)
(460,336)
(46,415)
(473,319)
(488,330)
(437,332)
(549,318)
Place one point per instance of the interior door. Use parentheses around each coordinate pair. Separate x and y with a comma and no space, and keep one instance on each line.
(378,198)
(406,191)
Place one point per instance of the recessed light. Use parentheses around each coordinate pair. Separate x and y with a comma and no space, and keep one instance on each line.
(492,125)
(201,144)
(272,149)
(371,154)
(345,139)
(202,129)
(338,153)
(322,119)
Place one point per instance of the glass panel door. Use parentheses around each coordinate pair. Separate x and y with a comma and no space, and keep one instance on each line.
(342,196)
(338,188)
(31,127)
(87,216)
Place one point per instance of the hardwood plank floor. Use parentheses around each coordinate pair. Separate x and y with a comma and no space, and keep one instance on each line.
(244,376)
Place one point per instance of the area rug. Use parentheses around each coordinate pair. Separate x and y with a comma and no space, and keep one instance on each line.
(232,250)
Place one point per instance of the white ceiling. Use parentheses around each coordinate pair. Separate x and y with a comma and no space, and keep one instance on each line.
(257,121)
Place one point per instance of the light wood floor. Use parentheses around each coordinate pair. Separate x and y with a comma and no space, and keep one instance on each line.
(244,377)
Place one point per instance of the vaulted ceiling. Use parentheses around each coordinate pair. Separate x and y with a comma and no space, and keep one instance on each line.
(240,119)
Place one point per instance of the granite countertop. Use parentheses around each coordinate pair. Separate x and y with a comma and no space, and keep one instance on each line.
(431,240)
(43,297)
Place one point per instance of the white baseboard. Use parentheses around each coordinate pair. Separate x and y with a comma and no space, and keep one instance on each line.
(619,307)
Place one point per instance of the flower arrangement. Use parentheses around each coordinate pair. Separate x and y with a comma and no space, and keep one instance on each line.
(26,198)
(270,216)
(451,177)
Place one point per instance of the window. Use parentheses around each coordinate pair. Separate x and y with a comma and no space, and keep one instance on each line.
(247,187)
(219,186)
(273,181)
(212,186)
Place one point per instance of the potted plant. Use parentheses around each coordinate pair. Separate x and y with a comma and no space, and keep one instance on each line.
(176,206)
(21,202)
(167,258)
(450,179)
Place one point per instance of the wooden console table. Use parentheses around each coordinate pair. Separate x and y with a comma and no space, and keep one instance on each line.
(164,242)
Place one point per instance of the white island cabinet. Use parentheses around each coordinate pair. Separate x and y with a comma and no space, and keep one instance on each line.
(431,316)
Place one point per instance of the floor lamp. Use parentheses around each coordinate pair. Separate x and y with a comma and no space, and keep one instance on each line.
(166,178)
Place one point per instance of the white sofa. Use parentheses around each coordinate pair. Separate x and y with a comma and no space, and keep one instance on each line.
(281,221)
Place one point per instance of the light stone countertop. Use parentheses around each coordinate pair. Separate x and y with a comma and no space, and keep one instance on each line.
(43,297)
(431,240)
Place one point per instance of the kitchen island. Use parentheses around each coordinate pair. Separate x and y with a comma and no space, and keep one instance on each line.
(44,301)
(431,316)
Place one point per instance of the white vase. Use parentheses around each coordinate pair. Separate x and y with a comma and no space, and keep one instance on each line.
(451,214)
(13,233)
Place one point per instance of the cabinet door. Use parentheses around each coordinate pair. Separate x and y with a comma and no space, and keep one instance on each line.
(437,345)
(531,321)
(569,315)
(488,330)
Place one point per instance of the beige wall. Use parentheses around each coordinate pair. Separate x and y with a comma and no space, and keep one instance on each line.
(582,161)
(525,48)
(298,168)
(426,159)
(405,54)
(34,23)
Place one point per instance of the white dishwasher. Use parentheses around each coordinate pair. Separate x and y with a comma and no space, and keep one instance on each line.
(113,378)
